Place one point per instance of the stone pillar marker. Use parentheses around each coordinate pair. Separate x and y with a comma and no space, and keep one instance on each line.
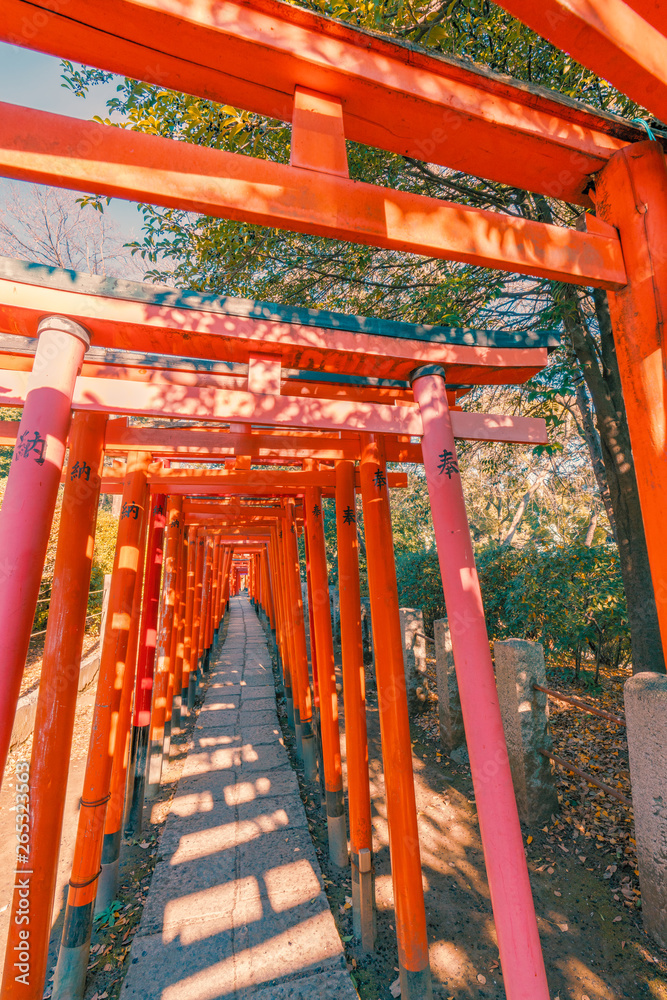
(334,603)
(646,720)
(525,714)
(414,650)
(452,733)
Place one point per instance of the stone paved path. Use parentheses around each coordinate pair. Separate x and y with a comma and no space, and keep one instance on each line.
(236,907)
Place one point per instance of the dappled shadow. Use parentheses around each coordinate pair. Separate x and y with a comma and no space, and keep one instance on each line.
(588,949)
(236,904)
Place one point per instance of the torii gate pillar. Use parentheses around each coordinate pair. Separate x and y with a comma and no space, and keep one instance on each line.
(30,499)
(509,885)
(631,195)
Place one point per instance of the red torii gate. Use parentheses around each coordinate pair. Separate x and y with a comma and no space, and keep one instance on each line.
(364,88)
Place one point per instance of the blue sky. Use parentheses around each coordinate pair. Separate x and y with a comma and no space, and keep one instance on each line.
(33,79)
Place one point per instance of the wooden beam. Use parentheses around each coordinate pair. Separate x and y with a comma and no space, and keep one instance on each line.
(258,480)
(609,37)
(395,96)
(38,146)
(178,402)
(204,444)
(168,376)
(135,320)
(343,352)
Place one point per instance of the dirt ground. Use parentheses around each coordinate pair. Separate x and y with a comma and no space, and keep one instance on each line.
(582,867)
(33,664)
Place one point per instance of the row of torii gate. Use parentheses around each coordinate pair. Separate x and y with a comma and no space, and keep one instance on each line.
(334,397)
(214,524)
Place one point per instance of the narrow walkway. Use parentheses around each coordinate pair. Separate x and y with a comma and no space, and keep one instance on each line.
(236,907)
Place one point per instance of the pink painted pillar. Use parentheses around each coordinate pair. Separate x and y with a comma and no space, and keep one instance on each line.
(511,897)
(30,499)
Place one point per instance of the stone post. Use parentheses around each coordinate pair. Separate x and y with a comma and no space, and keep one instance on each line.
(525,714)
(366,634)
(414,652)
(334,603)
(452,734)
(646,720)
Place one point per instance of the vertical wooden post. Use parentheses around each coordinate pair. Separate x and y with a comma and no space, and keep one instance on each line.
(189,664)
(207,599)
(226,581)
(354,693)
(288,662)
(37,863)
(214,619)
(303,718)
(270,602)
(415,974)
(516,926)
(75,944)
(30,499)
(175,700)
(279,633)
(107,883)
(168,627)
(326,675)
(196,618)
(143,698)
(316,683)
(631,195)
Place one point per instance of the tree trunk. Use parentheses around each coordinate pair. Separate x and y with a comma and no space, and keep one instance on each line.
(590,533)
(521,509)
(605,388)
(592,439)
(601,372)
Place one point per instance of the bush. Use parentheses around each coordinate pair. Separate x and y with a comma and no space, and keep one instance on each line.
(569,598)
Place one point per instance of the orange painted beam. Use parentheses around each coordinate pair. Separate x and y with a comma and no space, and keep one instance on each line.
(145,399)
(653,11)
(205,444)
(134,325)
(264,480)
(171,376)
(231,512)
(394,96)
(609,37)
(38,146)
(109,396)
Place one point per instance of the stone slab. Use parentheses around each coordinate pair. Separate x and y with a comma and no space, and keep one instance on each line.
(258,705)
(259,718)
(236,908)
(252,692)
(261,734)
